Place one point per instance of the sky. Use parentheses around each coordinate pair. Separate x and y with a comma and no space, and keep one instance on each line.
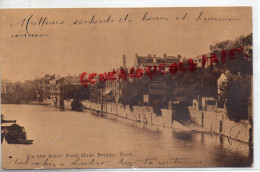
(98,47)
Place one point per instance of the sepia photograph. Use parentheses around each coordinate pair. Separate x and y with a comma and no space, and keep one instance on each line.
(85,88)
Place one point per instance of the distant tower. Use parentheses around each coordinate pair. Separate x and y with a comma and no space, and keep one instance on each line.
(211,48)
(124,61)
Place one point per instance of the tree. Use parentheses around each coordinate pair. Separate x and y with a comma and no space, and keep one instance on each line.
(159,104)
(132,92)
(238,93)
(72,91)
(243,61)
(28,91)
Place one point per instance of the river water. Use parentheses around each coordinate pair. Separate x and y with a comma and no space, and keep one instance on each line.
(70,139)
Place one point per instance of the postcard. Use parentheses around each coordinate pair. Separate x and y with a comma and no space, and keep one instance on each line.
(126,87)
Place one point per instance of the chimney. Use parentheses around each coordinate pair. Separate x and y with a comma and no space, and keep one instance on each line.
(154,59)
(124,61)
(179,56)
(211,48)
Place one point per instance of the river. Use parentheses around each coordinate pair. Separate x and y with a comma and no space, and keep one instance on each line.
(70,139)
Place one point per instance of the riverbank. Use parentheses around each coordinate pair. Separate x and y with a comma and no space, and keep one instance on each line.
(65,132)
(201,121)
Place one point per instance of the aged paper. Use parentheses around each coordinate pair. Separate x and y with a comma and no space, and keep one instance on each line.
(126,87)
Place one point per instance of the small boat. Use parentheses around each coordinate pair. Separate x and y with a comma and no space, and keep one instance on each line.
(78,109)
(6,121)
(13,134)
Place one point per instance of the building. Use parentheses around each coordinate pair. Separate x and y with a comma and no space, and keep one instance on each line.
(222,82)
(44,84)
(199,59)
(149,61)
(9,91)
(6,87)
(56,86)
(112,89)
(73,79)
(96,90)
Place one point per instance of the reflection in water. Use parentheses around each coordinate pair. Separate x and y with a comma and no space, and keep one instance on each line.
(221,140)
(202,138)
(186,136)
(61,132)
(223,153)
(228,158)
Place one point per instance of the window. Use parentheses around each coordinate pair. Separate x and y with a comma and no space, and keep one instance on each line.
(211,102)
